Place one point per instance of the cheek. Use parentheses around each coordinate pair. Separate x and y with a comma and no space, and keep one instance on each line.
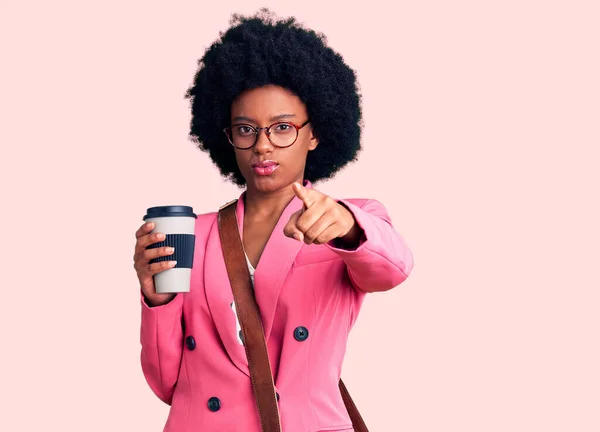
(241,159)
(296,158)
(301,149)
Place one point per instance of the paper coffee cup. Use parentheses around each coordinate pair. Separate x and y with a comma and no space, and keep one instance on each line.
(177,223)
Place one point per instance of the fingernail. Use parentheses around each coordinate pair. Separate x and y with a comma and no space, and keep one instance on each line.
(172,263)
(160,236)
(170,249)
(150,224)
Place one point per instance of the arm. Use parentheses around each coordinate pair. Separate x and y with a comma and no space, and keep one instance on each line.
(376,255)
(161,337)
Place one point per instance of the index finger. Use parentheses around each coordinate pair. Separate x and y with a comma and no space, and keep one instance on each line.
(144,229)
(308,196)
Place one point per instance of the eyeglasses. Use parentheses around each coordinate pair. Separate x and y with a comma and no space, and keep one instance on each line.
(281,134)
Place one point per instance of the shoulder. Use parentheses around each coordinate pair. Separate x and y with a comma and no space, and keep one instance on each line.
(359,202)
(363,203)
(207,217)
(204,218)
(204,222)
(369,205)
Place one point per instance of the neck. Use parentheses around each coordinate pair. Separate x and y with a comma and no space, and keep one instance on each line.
(264,205)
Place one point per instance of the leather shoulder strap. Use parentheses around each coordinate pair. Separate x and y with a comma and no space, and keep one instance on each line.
(252,329)
(249,318)
(358,424)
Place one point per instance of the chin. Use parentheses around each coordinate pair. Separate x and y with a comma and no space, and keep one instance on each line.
(266,183)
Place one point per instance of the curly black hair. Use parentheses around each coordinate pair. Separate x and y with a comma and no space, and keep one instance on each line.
(259,50)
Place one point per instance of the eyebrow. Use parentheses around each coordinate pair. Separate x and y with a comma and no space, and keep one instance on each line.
(274,118)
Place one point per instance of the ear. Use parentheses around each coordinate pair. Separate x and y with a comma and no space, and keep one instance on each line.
(314,142)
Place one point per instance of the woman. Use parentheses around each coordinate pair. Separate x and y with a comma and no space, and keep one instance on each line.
(276,110)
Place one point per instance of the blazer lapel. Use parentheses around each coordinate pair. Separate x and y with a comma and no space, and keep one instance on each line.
(274,265)
(219,298)
(272,269)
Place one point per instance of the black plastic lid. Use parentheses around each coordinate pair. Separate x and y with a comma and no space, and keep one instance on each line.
(172,210)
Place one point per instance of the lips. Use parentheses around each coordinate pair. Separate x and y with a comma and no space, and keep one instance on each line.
(265,167)
(264,164)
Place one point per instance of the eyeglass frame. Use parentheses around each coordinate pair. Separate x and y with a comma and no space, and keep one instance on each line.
(266,129)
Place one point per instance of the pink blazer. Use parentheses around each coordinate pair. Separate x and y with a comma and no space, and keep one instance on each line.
(309,297)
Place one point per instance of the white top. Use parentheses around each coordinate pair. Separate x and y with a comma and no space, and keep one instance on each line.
(238,329)
(250,268)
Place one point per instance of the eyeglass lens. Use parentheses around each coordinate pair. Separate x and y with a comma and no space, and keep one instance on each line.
(280,134)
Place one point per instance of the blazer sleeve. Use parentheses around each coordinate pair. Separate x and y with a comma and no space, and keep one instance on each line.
(161,337)
(382,260)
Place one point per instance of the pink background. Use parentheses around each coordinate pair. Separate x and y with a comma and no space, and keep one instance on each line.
(482,139)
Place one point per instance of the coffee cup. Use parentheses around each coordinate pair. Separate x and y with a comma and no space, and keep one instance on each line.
(177,223)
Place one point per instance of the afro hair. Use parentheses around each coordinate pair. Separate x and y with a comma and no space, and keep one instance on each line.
(259,50)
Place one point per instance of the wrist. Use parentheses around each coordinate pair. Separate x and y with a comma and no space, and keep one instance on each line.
(352,239)
(159,300)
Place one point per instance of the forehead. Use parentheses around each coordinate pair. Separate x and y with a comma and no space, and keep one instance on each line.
(263,103)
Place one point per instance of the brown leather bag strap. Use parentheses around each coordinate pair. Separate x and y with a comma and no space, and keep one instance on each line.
(358,424)
(252,329)
(250,321)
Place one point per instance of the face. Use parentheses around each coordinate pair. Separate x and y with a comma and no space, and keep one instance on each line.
(261,107)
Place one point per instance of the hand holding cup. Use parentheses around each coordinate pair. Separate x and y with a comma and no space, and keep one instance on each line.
(145,270)
(164,252)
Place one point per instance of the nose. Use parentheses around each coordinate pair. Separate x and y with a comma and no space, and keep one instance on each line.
(263,145)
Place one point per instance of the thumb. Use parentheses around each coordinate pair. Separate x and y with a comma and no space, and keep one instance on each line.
(290,229)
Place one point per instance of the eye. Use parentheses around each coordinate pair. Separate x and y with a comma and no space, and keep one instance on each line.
(283,127)
(244,130)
